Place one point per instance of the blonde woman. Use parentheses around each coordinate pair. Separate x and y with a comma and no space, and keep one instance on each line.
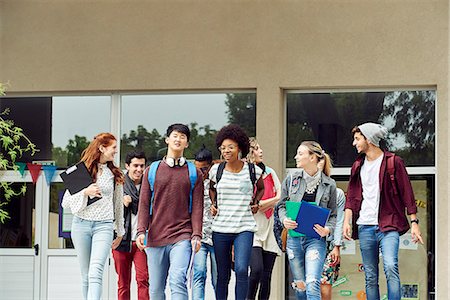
(306,255)
(265,248)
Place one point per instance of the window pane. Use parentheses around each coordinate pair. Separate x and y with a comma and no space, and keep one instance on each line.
(33,115)
(75,122)
(329,118)
(60,127)
(18,230)
(145,119)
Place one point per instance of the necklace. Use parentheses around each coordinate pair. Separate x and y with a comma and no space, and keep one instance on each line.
(311,189)
(312,182)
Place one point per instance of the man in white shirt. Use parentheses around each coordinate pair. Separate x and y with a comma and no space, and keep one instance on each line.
(379,191)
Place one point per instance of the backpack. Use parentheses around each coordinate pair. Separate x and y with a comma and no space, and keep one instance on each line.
(152,176)
(221,167)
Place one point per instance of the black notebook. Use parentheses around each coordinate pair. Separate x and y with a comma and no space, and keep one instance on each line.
(76,178)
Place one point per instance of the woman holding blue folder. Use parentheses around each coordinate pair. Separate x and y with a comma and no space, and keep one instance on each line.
(307,254)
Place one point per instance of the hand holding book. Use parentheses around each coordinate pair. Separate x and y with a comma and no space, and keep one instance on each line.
(311,219)
(93,191)
(322,231)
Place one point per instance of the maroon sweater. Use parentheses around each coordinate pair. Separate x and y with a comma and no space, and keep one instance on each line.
(170,221)
(393,207)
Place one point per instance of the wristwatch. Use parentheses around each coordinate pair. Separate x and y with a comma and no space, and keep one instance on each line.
(415,221)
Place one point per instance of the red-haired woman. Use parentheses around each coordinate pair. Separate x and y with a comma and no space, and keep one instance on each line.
(92,225)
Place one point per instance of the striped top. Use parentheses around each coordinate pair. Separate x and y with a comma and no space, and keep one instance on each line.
(234,195)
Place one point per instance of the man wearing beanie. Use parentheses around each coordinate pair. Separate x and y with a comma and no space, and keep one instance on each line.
(379,191)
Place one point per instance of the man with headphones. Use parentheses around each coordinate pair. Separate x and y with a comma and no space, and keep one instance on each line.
(171,209)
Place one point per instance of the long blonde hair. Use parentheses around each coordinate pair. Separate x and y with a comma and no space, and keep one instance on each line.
(250,156)
(316,149)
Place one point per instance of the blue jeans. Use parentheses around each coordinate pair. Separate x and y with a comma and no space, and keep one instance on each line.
(171,260)
(306,257)
(371,240)
(92,241)
(243,243)
(198,287)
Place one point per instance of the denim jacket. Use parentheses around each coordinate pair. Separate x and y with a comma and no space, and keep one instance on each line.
(293,188)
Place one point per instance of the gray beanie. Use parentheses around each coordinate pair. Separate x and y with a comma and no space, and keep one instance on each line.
(373,132)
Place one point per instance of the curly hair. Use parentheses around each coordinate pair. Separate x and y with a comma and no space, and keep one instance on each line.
(235,133)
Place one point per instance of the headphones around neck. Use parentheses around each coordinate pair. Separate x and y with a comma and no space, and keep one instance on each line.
(172,162)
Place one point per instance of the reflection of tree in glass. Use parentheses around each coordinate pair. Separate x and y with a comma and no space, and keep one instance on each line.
(74,149)
(242,111)
(59,155)
(203,135)
(329,118)
(72,153)
(154,146)
(410,116)
(151,143)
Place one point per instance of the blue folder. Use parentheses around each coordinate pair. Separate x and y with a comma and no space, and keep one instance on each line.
(310,214)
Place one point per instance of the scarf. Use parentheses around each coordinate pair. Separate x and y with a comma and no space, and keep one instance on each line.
(129,188)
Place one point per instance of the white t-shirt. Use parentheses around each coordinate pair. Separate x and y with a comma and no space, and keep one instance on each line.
(265,237)
(234,194)
(370,179)
(134,219)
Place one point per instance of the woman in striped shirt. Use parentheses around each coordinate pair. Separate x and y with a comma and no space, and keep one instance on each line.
(235,198)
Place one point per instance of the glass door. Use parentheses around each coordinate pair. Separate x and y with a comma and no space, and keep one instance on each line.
(20,239)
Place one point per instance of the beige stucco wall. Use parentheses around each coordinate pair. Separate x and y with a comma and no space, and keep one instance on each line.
(59,46)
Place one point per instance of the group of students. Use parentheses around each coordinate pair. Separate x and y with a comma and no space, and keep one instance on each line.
(164,214)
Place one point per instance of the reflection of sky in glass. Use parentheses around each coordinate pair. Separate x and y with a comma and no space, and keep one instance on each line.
(82,116)
(159,111)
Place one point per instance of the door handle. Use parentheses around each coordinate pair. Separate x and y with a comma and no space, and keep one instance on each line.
(36,249)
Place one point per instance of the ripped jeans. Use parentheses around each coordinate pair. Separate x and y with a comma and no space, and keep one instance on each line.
(306,258)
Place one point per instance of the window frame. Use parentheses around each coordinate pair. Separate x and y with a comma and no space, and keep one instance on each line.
(345,171)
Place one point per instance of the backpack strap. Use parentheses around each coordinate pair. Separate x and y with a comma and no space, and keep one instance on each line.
(219,173)
(151,180)
(391,172)
(252,171)
(193,178)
